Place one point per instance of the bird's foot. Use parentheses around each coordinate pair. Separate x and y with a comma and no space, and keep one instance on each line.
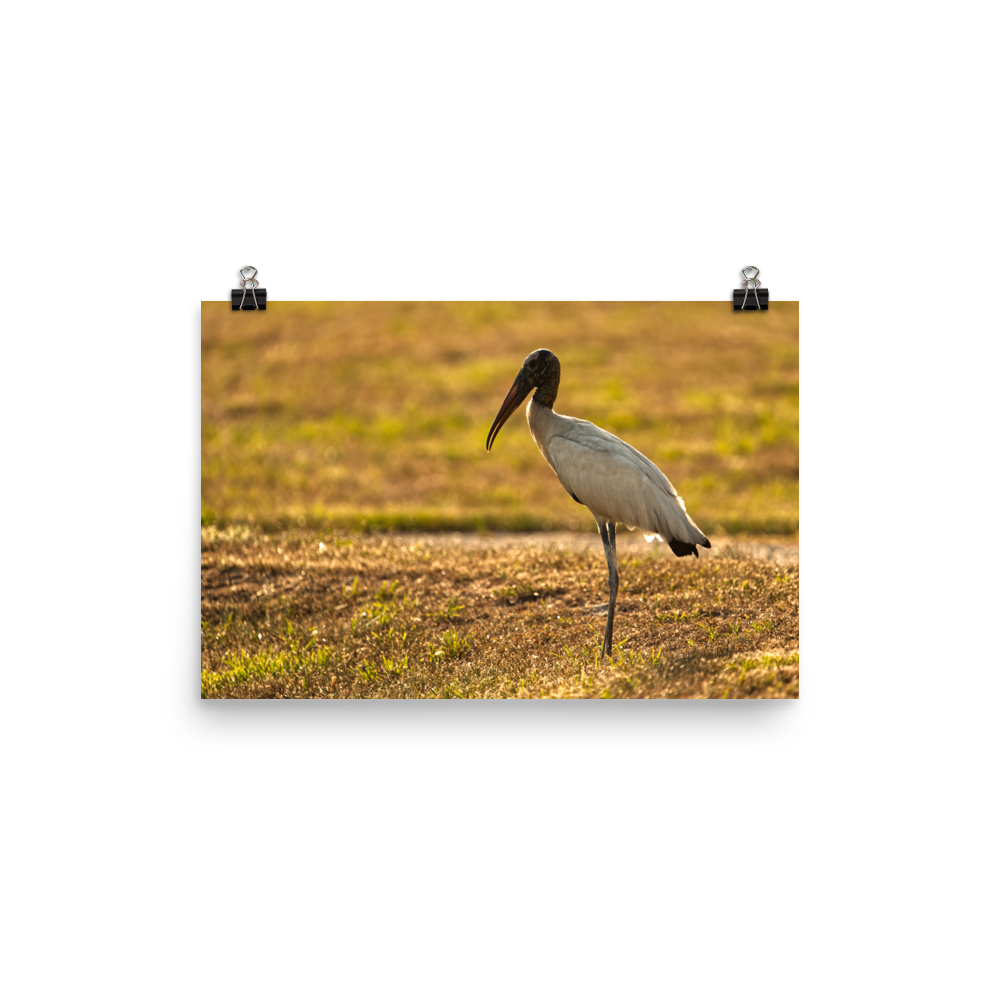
(596,609)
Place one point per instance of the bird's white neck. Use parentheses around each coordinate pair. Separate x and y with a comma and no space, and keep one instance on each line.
(543,423)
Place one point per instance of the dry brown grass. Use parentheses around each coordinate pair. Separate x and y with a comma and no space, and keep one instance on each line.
(304,615)
(341,414)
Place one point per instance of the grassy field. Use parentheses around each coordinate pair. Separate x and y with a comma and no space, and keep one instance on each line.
(306,614)
(374,415)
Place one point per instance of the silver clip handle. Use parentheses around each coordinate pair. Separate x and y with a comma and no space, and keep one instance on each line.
(747,278)
(251,279)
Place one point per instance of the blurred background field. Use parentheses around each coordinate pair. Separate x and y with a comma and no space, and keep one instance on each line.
(374,415)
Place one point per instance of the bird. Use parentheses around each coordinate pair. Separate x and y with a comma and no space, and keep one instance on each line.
(613,480)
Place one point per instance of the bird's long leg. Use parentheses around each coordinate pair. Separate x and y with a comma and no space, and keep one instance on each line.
(608,537)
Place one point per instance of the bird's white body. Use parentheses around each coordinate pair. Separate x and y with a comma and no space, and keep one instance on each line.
(613,480)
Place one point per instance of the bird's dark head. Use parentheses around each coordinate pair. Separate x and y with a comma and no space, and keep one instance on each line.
(539,371)
(537,363)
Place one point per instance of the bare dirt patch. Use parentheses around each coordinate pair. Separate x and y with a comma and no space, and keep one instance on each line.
(778,549)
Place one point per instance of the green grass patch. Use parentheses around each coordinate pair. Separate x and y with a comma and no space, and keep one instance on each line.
(245,671)
(301,615)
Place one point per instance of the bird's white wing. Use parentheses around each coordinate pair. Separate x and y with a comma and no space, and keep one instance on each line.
(617,482)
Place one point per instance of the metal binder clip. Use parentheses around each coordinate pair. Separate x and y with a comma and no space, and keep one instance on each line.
(759,299)
(259,297)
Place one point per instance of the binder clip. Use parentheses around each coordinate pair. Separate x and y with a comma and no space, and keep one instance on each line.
(258,296)
(741,298)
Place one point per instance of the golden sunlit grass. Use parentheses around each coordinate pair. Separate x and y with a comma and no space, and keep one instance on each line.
(374,415)
(301,614)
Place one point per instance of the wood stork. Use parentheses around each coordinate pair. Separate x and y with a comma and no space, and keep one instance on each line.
(609,477)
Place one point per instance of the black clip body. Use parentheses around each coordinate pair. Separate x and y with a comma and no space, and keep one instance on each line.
(742,298)
(258,296)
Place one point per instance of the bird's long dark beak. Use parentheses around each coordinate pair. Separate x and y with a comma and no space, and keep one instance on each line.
(512,401)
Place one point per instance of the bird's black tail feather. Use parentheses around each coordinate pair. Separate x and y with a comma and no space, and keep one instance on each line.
(686,548)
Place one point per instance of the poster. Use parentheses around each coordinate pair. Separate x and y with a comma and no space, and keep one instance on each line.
(360,541)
